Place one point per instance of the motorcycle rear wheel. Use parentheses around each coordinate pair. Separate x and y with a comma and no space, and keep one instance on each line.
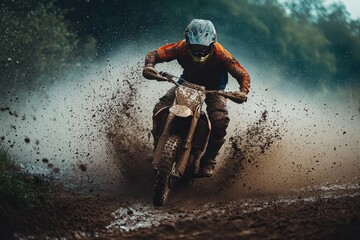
(164,179)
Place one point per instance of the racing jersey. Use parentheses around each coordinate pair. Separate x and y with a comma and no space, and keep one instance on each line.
(213,74)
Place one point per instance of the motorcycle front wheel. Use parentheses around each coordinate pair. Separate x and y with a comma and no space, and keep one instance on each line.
(164,179)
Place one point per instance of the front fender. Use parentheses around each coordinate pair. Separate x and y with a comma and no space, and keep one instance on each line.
(181,111)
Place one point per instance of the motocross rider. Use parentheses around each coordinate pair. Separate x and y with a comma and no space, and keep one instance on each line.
(205,62)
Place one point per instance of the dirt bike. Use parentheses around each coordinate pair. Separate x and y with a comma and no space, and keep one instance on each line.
(182,136)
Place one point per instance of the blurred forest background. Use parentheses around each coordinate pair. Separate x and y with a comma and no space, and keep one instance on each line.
(315,46)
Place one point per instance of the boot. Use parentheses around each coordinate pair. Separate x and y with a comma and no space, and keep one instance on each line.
(208,161)
(208,167)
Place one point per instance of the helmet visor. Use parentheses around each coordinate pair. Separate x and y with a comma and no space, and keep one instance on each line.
(200,50)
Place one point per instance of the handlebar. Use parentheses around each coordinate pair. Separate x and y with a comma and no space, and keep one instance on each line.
(170,78)
(237,97)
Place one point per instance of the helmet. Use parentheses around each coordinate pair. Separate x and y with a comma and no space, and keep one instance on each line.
(200,37)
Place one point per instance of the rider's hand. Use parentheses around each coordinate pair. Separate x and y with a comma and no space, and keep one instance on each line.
(151,73)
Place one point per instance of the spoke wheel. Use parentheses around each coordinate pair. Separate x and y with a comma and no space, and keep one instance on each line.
(164,179)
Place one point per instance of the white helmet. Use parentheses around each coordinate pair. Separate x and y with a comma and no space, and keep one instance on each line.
(200,37)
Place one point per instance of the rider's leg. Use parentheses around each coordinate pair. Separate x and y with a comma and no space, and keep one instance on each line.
(218,114)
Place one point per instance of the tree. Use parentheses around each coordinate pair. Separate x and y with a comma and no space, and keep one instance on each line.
(35,39)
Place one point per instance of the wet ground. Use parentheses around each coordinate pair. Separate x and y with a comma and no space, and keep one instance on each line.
(323,212)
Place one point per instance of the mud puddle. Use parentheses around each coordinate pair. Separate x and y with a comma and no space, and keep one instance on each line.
(140,214)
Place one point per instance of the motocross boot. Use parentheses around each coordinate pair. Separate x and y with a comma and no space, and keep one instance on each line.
(208,168)
(208,161)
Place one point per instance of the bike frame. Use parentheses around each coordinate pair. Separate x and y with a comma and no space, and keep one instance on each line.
(188,102)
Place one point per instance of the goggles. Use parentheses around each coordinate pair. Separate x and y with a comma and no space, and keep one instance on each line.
(200,50)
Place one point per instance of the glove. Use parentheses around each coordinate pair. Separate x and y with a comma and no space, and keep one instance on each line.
(237,96)
(151,73)
(243,90)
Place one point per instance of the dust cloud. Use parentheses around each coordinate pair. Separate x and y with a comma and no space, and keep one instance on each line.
(91,129)
(61,131)
(288,138)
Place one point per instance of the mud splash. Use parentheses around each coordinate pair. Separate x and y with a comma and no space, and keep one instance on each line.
(99,134)
(61,132)
(132,141)
(246,147)
(128,132)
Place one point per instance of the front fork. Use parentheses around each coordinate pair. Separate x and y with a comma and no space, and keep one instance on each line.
(185,154)
(183,159)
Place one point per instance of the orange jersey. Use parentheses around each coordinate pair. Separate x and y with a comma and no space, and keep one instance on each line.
(213,74)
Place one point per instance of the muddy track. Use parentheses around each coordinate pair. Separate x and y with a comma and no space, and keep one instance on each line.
(334,218)
(331,212)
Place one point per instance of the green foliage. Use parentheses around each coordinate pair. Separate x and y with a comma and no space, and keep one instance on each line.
(35,40)
(19,187)
(306,10)
(304,42)
(315,45)
(302,48)
(344,36)
(13,188)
